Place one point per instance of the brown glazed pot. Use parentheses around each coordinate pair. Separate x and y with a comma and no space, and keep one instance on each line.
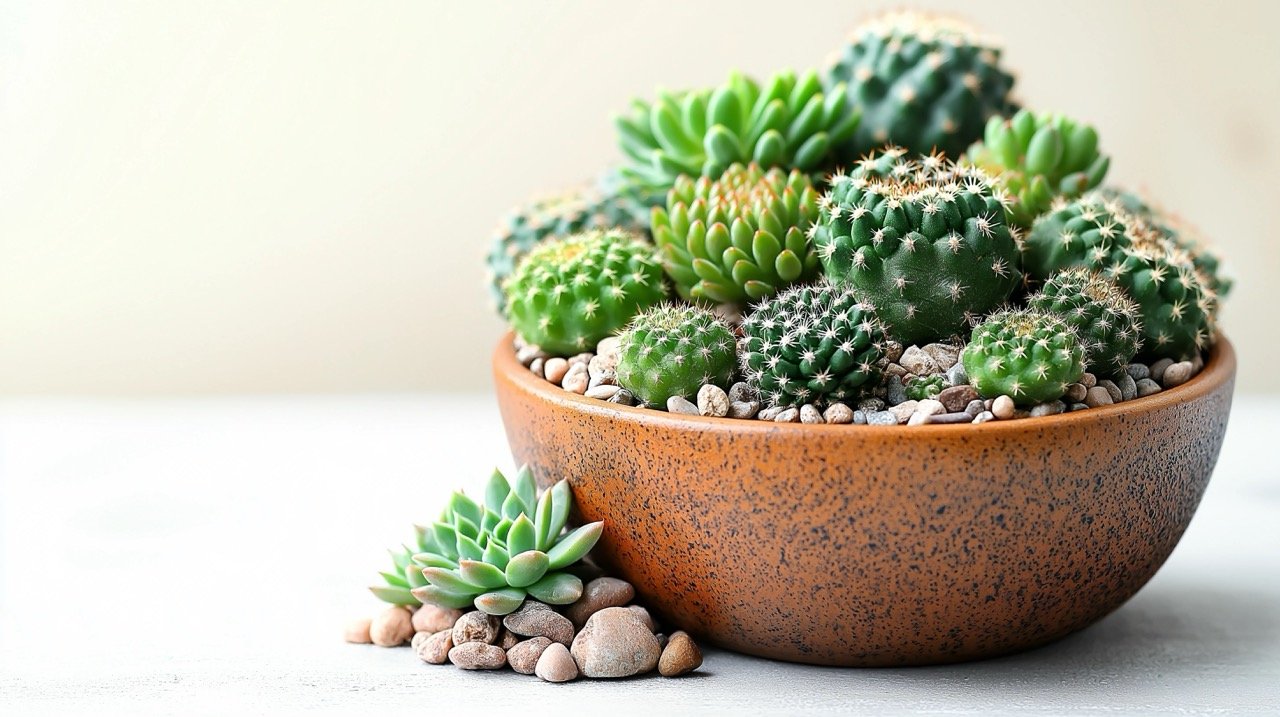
(872,545)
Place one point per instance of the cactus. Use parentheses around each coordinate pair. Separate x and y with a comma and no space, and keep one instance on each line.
(739,237)
(811,344)
(924,239)
(1024,354)
(1084,232)
(673,350)
(921,387)
(1106,320)
(922,82)
(790,122)
(592,206)
(1038,157)
(567,294)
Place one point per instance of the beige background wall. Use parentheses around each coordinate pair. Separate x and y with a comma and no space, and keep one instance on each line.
(258,196)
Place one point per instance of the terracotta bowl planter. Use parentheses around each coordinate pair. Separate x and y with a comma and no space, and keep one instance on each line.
(869,545)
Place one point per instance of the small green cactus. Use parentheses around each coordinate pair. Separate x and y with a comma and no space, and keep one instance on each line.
(790,122)
(923,82)
(1083,232)
(1038,157)
(1024,354)
(924,239)
(1106,320)
(492,555)
(921,387)
(739,237)
(673,350)
(567,294)
(811,344)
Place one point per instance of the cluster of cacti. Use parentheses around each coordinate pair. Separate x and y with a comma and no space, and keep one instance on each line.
(921,387)
(811,344)
(1027,355)
(740,236)
(1106,320)
(492,554)
(1038,157)
(673,350)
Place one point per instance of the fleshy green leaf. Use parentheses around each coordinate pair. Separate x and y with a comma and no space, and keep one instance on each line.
(496,491)
(469,549)
(449,580)
(574,546)
(434,560)
(432,595)
(543,521)
(464,506)
(500,602)
(393,595)
(394,580)
(522,536)
(526,568)
(557,589)
(413,574)
(496,555)
(561,504)
(482,574)
(446,539)
(527,489)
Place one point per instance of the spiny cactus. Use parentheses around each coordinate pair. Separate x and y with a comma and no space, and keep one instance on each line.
(921,81)
(492,555)
(567,294)
(921,387)
(1038,157)
(811,344)
(1083,232)
(673,350)
(790,122)
(1106,320)
(1024,354)
(924,239)
(738,237)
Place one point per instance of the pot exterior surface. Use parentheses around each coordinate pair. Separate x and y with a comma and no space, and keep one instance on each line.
(870,545)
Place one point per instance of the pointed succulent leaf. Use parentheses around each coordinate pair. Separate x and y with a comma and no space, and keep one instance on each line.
(446,539)
(504,527)
(450,580)
(512,507)
(543,521)
(482,574)
(526,568)
(527,489)
(496,555)
(468,548)
(393,595)
(394,580)
(500,602)
(496,491)
(433,595)
(561,504)
(522,536)
(463,506)
(434,560)
(557,589)
(490,520)
(574,546)
(464,526)
(400,558)
(413,575)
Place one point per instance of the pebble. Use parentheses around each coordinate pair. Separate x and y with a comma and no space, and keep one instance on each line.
(1197,363)
(576,379)
(896,393)
(623,397)
(1128,387)
(924,411)
(1138,371)
(838,413)
(538,368)
(430,618)
(895,371)
(1077,407)
(957,376)
(957,398)
(1147,387)
(902,412)
(478,656)
(1178,374)
(944,355)
(680,404)
(526,354)
(604,391)
(743,409)
(768,414)
(434,649)
(523,658)
(599,594)
(871,404)
(1089,380)
(859,418)
(916,361)
(1158,368)
(555,369)
(1048,408)
(956,417)
(642,613)
(583,358)
(984,417)
(391,627)
(1098,396)
(609,346)
(713,401)
(1112,389)
(975,407)
(1002,408)
(614,643)
(508,640)
(881,418)
(790,415)
(358,631)
(680,656)
(556,664)
(810,414)
(476,626)
(1075,392)
(892,351)
(603,369)
(535,619)
(742,392)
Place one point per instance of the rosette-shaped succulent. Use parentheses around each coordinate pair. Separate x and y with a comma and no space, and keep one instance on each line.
(1106,320)
(1024,354)
(567,294)
(1038,157)
(811,344)
(738,237)
(673,350)
(922,82)
(790,122)
(924,239)
(921,387)
(592,206)
(492,555)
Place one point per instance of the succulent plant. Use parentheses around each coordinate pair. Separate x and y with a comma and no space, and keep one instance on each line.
(738,237)
(921,81)
(790,122)
(492,555)
(592,206)
(1106,320)
(921,387)
(811,344)
(1083,232)
(673,350)
(1027,355)
(924,239)
(1038,157)
(567,294)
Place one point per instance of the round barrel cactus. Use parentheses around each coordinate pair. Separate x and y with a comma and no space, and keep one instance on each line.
(672,350)
(1107,321)
(1027,355)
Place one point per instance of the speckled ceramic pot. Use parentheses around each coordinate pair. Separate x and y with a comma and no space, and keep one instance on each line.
(870,545)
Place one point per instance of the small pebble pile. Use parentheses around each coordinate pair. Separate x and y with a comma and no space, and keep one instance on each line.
(601,636)
(595,375)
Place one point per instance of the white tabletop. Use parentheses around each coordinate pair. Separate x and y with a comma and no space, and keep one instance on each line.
(202,556)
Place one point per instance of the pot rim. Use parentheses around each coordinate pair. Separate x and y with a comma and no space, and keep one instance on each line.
(1218,369)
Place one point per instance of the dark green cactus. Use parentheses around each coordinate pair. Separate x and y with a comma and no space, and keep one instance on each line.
(739,237)
(922,82)
(567,294)
(921,387)
(673,350)
(811,344)
(1107,321)
(1084,232)
(790,122)
(1024,354)
(924,239)
(1038,158)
